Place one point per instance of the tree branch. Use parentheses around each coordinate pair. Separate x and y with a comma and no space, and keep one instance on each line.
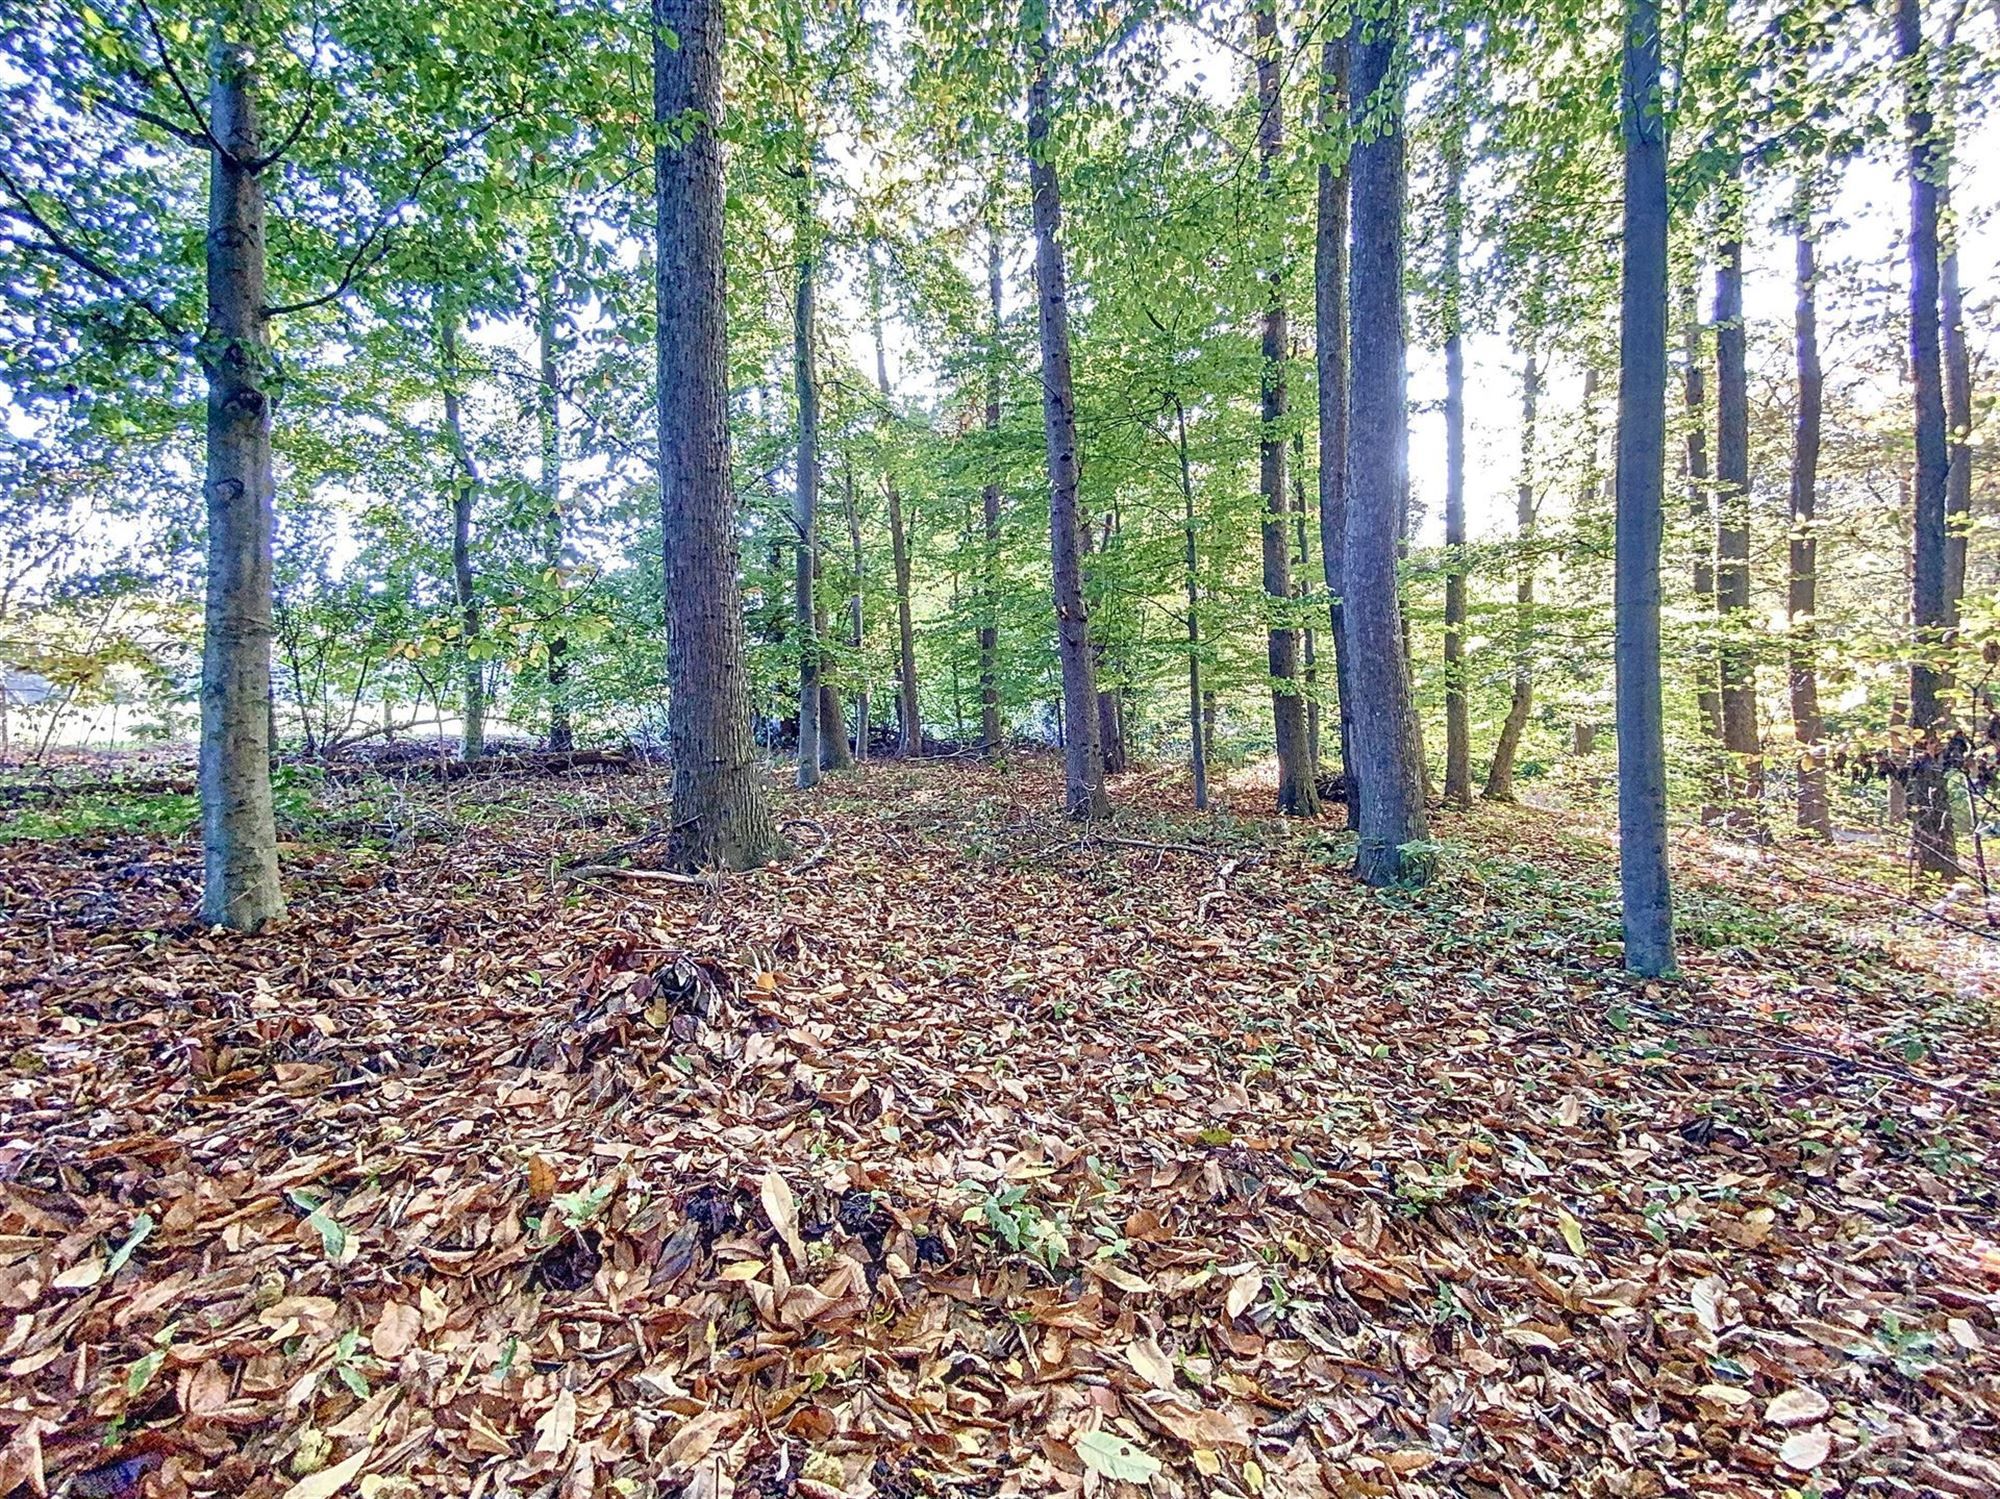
(173,76)
(55,242)
(358,261)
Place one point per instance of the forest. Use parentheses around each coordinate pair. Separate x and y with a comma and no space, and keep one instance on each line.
(833,748)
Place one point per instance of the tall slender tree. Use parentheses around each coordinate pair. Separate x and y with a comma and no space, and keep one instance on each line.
(989,561)
(239,834)
(1736,653)
(1641,500)
(1929,794)
(721,816)
(805,494)
(548,413)
(1298,795)
(1083,764)
(1701,512)
(1500,772)
(465,488)
(1330,271)
(1801,602)
(1386,762)
(1457,714)
(909,715)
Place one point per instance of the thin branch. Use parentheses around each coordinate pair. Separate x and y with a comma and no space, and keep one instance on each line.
(173,75)
(160,122)
(273,157)
(359,260)
(56,243)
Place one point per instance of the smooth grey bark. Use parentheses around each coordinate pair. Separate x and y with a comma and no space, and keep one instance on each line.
(1929,795)
(989,574)
(1500,771)
(466,484)
(1385,761)
(548,410)
(1330,348)
(1301,586)
(1191,572)
(1802,663)
(909,715)
(1641,501)
(721,816)
(1701,511)
(805,501)
(1457,712)
(1743,761)
(855,619)
(1083,764)
(1958,415)
(1298,795)
(239,835)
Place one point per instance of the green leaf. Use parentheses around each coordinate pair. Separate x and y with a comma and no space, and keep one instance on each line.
(141,1373)
(140,1232)
(1114,1456)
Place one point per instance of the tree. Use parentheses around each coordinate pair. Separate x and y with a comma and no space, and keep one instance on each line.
(465,489)
(1457,721)
(1298,794)
(989,618)
(720,814)
(1330,271)
(1640,520)
(1500,772)
(238,825)
(1929,795)
(1743,763)
(1385,764)
(1083,764)
(1802,662)
(909,715)
(805,502)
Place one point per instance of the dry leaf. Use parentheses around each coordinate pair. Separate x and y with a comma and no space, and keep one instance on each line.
(783,1211)
(399,1326)
(329,1481)
(1799,1407)
(1805,1450)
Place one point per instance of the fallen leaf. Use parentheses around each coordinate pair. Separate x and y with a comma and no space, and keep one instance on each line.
(1797,1407)
(1805,1450)
(329,1481)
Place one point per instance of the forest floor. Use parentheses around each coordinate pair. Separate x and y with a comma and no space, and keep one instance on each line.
(981,1157)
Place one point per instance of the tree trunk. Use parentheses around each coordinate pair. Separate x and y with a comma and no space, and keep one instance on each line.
(1457,712)
(805,501)
(1801,656)
(1389,773)
(989,575)
(562,737)
(239,835)
(1743,763)
(720,812)
(909,716)
(1958,419)
(1191,560)
(1083,765)
(1500,773)
(1301,586)
(854,614)
(1642,440)
(1929,795)
(1701,510)
(1330,346)
(464,493)
(1298,795)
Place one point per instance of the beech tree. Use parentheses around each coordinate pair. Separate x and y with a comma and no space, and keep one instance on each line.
(1386,764)
(1642,375)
